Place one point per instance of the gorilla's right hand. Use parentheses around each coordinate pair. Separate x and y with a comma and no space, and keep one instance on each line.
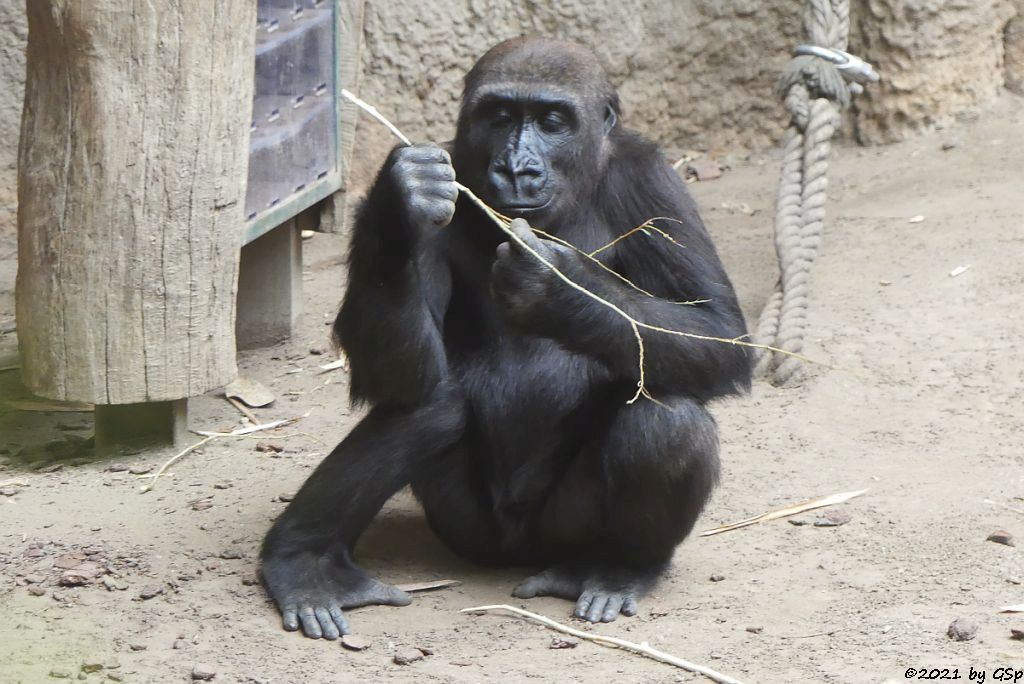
(424,179)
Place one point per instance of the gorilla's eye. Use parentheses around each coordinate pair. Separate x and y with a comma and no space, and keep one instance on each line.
(500,116)
(555,121)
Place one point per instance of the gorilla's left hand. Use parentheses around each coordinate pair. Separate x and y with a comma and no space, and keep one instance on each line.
(525,288)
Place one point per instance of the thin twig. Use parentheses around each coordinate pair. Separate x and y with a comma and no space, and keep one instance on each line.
(209,436)
(802,507)
(177,457)
(643,649)
(1019,511)
(243,410)
(635,325)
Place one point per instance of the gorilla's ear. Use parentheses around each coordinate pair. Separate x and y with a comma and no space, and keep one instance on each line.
(610,119)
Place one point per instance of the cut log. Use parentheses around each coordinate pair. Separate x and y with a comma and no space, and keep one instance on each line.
(132,170)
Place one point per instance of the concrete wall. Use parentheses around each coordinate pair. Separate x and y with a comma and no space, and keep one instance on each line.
(13,34)
(692,73)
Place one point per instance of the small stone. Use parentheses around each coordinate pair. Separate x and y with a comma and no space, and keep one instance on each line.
(179,644)
(286,497)
(89,667)
(268,448)
(114,584)
(140,469)
(36,590)
(203,673)
(138,647)
(213,565)
(60,674)
(231,554)
(717,578)
(204,504)
(250,580)
(35,578)
(151,590)
(559,643)
(316,351)
(222,485)
(50,468)
(799,522)
(407,656)
(704,170)
(962,630)
(832,518)
(1001,537)
(949,145)
(1017,634)
(755,630)
(69,560)
(354,642)
(8,491)
(115,677)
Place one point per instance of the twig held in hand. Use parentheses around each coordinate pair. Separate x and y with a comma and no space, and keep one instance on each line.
(504,223)
(643,649)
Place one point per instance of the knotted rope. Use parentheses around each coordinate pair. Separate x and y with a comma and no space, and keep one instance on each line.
(816,84)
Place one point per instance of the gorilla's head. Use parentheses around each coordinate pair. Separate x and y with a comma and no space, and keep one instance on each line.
(534,129)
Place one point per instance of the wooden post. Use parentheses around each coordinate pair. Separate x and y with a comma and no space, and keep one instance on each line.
(334,209)
(132,171)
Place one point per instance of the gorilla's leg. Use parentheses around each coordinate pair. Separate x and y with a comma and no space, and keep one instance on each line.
(307,562)
(625,504)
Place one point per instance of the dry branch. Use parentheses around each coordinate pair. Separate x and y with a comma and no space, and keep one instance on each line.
(504,223)
(801,507)
(210,436)
(643,648)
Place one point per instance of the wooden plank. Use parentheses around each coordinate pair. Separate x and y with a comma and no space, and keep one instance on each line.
(131,187)
(351,14)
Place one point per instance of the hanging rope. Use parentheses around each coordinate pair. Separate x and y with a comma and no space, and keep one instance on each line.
(816,84)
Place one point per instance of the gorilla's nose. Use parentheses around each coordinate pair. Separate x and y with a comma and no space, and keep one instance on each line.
(521,176)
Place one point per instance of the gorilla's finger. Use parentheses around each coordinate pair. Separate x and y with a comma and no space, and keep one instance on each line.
(503,251)
(393,596)
(583,604)
(290,618)
(339,618)
(526,590)
(629,606)
(327,626)
(611,611)
(310,625)
(597,608)
(523,231)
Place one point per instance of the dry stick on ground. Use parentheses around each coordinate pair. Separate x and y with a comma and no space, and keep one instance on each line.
(210,436)
(643,649)
(635,325)
(801,507)
(243,410)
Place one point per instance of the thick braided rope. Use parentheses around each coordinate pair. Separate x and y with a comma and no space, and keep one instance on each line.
(800,203)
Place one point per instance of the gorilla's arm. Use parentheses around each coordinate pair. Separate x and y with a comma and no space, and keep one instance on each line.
(399,283)
(687,270)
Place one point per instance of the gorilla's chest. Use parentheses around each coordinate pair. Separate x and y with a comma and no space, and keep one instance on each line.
(522,385)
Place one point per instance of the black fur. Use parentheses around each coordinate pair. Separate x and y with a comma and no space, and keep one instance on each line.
(497,391)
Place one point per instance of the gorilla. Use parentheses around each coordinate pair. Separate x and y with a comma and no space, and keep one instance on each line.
(498,392)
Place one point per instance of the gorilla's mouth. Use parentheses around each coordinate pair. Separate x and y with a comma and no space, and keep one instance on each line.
(524,208)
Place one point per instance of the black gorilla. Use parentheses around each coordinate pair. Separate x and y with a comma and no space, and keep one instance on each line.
(497,391)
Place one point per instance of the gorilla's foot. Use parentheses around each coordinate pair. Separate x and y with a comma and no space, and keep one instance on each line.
(311,590)
(601,592)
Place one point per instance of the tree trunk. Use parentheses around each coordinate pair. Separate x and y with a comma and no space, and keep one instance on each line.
(132,170)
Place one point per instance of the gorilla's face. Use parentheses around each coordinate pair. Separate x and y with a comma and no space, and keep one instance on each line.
(532,151)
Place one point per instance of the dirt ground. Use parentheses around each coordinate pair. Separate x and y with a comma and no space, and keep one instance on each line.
(929,415)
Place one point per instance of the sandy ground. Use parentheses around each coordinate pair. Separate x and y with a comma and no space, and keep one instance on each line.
(929,416)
